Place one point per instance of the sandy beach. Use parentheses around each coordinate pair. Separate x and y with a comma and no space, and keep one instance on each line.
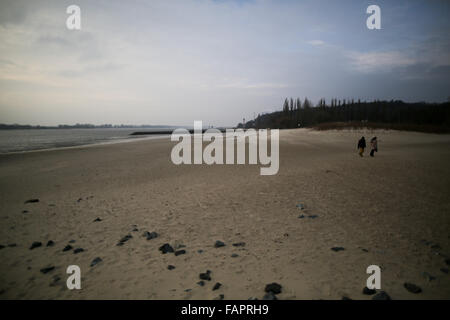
(392,210)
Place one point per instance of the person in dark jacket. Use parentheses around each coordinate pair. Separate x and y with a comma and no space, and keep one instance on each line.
(374,146)
(361,146)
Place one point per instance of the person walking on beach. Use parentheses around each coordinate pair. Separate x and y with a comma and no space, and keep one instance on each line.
(361,146)
(374,145)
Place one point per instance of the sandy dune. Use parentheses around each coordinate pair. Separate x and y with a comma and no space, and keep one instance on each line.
(392,210)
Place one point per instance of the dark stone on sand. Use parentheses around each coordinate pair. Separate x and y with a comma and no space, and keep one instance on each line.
(79,199)
(217,286)
(234,255)
(35,244)
(274,287)
(368,291)
(412,287)
(205,276)
(177,253)
(313,216)
(32,201)
(382,295)
(170,267)
(96,261)
(365,250)
(444,270)
(47,270)
(220,297)
(150,235)
(135,229)
(50,243)
(336,249)
(97,220)
(165,248)
(124,239)
(201,283)
(68,247)
(219,244)
(24,211)
(72,241)
(200,251)
(78,250)
(269,296)
(239,244)
(301,216)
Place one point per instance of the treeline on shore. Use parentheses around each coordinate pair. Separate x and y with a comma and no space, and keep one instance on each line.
(340,114)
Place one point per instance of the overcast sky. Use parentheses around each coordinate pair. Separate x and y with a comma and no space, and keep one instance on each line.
(173,62)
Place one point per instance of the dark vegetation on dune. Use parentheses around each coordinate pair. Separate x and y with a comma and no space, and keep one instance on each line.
(343,114)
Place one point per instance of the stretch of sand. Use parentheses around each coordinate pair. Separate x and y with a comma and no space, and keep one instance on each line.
(387,205)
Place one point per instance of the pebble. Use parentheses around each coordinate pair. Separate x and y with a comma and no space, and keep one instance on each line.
(177,253)
(170,267)
(412,287)
(313,216)
(55,281)
(301,216)
(24,211)
(219,244)
(239,244)
(97,220)
(72,241)
(78,250)
(337,249)
(150,235)
(32,201)
(50,243)
(201,283)
(382,295)
(274,287)
(166,248)
(217,286)
(96,261)
(68,247)
(234,255)
(47,270)
(124,239)
(220,297)
(369,291)
(35,244)
(205,276)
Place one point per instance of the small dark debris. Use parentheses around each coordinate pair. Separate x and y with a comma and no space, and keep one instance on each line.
(96,261)
(234,255)
(337,249)
(97,220)
(150,235)
(68,247)
(205,276)
(269,296)
(412,287)
(201,283)
(382,295)
(72,241)
(274,287)
(219,244)
(170,267)
(239,244)
(177,253)
(32,201)
(368,291)
(124,239)
(50,243)
(47,270)
(35,244)
(165,248)
(78,250)
(217,286)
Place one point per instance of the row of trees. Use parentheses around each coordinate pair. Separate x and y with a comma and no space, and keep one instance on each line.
(296,113)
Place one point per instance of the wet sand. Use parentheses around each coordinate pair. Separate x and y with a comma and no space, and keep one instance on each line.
(392,210)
